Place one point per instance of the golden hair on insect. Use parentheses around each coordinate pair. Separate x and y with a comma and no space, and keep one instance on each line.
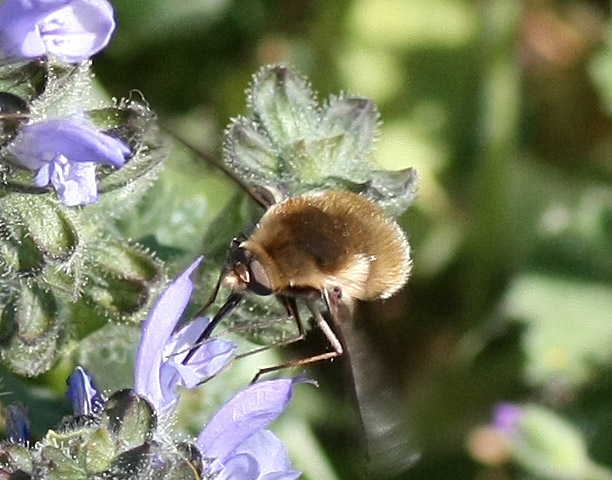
(329,244)
(330,239)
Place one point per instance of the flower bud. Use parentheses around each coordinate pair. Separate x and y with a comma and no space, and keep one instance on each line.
(37,234)
(123,280)
(98,451)
(284,104)
(56,464)
(17,424)
(85,398)
(152,461)
(30,330)
(130,418)
(287,142)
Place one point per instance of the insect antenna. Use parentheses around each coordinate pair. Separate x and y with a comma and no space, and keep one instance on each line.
(261,198)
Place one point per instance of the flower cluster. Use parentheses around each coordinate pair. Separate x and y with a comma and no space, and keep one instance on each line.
(70,166)
(235,438)
(234,444)
(63,152)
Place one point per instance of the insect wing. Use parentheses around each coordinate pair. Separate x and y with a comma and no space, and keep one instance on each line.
(390,445)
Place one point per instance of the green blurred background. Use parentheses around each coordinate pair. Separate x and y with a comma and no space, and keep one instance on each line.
(504,109)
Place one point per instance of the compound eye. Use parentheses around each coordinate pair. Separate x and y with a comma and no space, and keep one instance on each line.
(239,255)
(259,281)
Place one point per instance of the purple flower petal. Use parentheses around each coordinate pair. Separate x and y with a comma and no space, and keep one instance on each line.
(249,411)
(84,397)
(507,417)
(240,467)
(159,367)
(75,182)
(208,360)
(73,30)
(41,142)
(271,455)
(65,153)
(156,332)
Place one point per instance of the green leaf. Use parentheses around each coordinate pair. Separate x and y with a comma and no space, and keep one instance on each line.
(568,326)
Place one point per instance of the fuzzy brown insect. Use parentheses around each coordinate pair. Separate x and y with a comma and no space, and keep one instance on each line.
(329,244)
(336,246)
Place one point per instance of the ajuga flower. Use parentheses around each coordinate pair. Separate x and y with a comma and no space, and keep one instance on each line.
(65,153)
(17,423)
(159,369)
(120,437)
(72,30)
(235,438)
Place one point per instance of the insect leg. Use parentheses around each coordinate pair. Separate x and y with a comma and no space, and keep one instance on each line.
(292,309)
(324,326)
(327,331)
(291,306)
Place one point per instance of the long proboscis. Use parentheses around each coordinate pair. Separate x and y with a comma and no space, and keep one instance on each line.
(232,301)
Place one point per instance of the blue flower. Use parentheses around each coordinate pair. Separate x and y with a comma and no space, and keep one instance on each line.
(159,370)
(235,438)
(64,153)
(72,30)
(85,398)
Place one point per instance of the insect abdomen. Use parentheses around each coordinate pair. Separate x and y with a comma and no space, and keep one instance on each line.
(332,237)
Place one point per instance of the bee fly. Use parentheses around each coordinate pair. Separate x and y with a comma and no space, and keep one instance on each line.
(335,246)
(329,244)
